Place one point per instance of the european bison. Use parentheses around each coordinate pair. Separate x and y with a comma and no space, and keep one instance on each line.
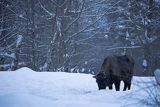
(113,70)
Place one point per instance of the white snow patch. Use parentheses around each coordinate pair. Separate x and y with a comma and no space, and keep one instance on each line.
(72,69)
(157,75)
(19,40)
(66,55)
(106,36)
(121,26)
(21,15)
(5,65)
(12,55)
(127,35)
(132,43)
(44,66)
(25,69)
(85,62)
(83,69)
(24,100)
(26,88)
(145,63)
(58,23)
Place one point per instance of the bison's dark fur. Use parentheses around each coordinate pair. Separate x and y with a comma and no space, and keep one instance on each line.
(113,70)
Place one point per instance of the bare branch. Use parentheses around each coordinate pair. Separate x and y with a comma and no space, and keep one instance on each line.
(75,18)
(47,11)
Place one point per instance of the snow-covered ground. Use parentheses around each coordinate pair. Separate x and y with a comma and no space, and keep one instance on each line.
(26,88)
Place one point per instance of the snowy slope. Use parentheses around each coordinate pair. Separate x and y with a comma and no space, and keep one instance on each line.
(26,88)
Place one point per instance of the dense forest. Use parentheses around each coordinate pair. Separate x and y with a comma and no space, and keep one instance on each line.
(76,35)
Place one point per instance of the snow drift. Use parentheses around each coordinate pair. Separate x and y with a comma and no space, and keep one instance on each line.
(26,88)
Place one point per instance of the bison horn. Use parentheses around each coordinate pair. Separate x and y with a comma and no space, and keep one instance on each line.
(100,75)
(94,76)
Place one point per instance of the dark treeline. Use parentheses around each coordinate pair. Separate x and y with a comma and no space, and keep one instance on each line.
(76,35)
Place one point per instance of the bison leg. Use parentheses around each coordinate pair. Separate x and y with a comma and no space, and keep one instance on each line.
(111,81)
(127,85)
(117,85)
(110,84)
(110,87)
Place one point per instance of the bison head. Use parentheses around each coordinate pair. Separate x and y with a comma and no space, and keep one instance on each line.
(101,80)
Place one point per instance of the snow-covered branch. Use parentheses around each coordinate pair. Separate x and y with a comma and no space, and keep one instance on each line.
(58,4)
(129,47)
(47,11)
(76,17)
(7,55)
